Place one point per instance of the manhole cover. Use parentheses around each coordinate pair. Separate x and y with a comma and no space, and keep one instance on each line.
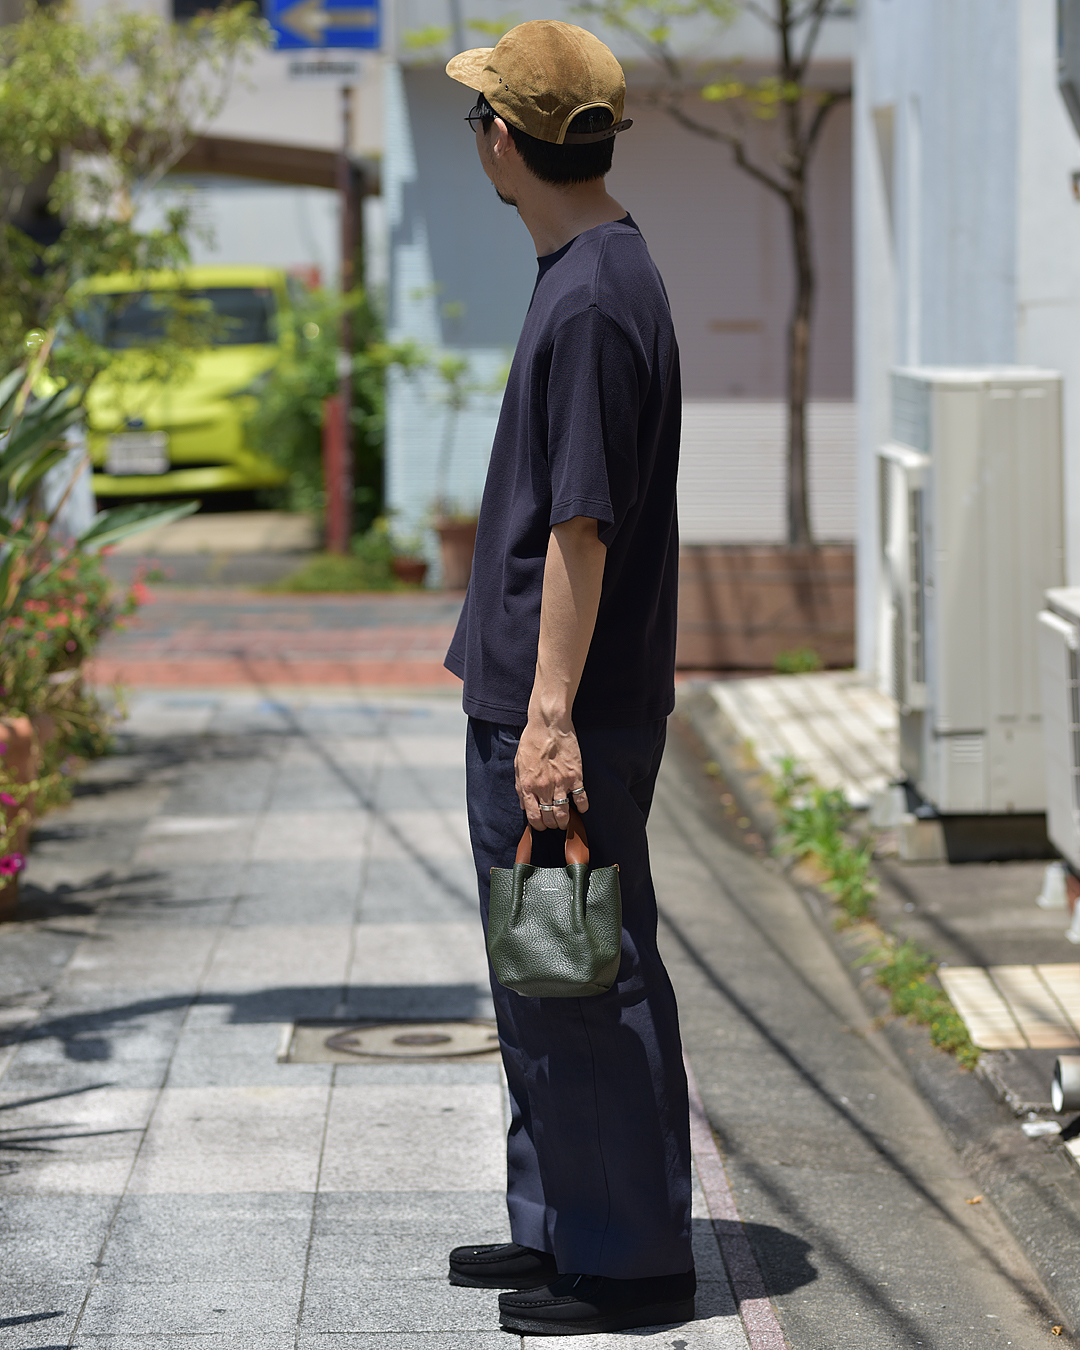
(322,1043)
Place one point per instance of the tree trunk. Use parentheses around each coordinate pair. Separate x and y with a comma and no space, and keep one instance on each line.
(798,373)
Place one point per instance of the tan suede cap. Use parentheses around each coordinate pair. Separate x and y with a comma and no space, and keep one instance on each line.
(541,74)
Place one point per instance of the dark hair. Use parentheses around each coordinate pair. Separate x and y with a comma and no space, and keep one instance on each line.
(559,164)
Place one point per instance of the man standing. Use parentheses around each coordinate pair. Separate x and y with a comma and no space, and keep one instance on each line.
(566,646)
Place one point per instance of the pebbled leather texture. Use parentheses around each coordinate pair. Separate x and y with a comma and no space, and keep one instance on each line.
(555,932)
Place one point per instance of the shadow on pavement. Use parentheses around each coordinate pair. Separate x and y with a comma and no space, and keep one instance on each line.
(84,1035)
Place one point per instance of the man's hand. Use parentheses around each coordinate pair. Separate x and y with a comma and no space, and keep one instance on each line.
(548,764)
(548,769)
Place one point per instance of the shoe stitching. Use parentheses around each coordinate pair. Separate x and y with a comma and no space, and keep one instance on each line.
(490,1260)
(546,1303)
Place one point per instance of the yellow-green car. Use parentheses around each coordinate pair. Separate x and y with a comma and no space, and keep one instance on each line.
(187,434)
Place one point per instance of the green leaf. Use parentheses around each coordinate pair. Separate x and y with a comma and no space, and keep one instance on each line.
(420,38)
(9,392)
(29,475)
(109,527)
(32,436)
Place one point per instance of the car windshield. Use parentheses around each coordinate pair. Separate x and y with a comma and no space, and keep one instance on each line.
(243,315)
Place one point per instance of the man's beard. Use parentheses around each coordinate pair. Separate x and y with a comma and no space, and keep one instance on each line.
(506,201)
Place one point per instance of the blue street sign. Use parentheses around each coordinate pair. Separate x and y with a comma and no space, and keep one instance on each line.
(324,23)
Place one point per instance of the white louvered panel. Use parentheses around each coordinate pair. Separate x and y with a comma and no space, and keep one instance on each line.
(732,474)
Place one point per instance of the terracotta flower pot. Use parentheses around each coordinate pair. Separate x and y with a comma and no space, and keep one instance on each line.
(411,571)
(457,538)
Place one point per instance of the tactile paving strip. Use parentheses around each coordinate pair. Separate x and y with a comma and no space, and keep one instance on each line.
(1017,1007)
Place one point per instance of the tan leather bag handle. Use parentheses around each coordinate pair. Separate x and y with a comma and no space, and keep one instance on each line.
(577,842)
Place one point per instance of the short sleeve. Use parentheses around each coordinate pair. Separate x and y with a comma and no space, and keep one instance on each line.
(592,423)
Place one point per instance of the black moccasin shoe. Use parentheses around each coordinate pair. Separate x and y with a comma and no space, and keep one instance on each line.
(579,1305)
(501,1266)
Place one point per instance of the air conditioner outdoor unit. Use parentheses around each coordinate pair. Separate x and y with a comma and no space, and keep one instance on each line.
(1059,653)
(971,538)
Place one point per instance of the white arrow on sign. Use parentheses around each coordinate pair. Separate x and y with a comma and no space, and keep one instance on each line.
(310,19)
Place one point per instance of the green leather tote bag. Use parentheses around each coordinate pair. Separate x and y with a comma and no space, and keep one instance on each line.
(556,932)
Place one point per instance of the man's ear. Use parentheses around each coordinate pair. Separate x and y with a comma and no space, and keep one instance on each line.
(502,143)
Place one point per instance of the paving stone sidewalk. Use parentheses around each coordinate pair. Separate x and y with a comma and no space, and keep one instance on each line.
(245,863)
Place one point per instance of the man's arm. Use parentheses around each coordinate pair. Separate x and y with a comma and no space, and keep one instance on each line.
(548,763)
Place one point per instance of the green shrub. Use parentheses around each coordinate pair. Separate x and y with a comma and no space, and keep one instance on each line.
(366,568)
(906,973)
(287,422)
(797,662)
(812,823)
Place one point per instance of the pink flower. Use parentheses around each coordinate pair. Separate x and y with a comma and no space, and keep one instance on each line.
(11,864)
(70,645)
(7,799)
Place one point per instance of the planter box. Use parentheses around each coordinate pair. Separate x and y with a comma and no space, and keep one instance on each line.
(741,605)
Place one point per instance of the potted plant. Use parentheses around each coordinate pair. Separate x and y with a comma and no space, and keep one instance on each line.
(454,524)
(457,538)
(407,562)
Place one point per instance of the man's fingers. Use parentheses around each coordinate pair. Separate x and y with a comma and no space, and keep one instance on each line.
(581,801)
(536,817)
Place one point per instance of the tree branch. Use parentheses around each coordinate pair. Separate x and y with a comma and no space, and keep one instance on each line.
(659,51)
(816,14)
(817,122)
(738,147)
(784,30)
(760,12)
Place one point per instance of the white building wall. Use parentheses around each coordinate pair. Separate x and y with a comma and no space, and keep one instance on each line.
(1048,254)
(967,232)
(732,471)
(266,104)
(241,220)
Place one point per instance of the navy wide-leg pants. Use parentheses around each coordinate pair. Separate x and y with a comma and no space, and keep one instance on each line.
(598,1152)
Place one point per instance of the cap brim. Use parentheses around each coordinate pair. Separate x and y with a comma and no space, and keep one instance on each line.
(466,67)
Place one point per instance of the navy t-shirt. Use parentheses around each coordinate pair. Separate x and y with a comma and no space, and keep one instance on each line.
(589,426)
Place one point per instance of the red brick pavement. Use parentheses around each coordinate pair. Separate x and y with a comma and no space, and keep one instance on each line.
(233,637)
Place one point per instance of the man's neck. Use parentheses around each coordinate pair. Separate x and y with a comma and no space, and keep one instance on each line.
(555,215)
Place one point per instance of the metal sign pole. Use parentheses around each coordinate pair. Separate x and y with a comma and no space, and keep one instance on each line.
(340,492)
(320,26)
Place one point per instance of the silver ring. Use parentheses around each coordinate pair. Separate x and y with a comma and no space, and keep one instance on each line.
(576,792)
(560,801)
(545,808)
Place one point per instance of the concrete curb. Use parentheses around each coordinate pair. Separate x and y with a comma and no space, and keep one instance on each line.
(748,780)
(1033,1183)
